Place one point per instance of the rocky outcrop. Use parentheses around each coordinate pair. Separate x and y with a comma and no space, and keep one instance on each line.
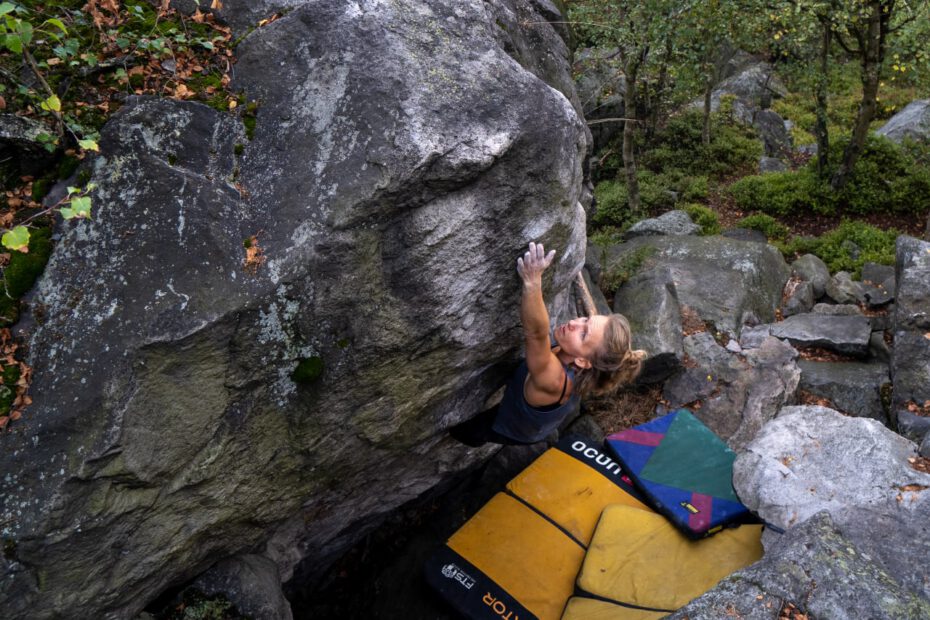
(721,279)
(811,459)
(910,362)
(669,223)
(853,388)
(912,122)
(815,570)
(737,392)
(194,400)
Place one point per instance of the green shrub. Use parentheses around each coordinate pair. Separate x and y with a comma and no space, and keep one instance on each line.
(886,178)
(781,193)
(704,217)
(849,246)
(678,146)
(694,188)
(611,206)
(766,224)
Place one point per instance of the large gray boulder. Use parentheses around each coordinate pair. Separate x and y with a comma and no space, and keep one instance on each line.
(810,459)
(815,569)
(721,279)
(910,361)
(672,223)
(169,427)
(912,122)
(650,302)
(753,87)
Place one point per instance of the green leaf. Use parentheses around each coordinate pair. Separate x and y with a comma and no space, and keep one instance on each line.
(14,43)
(80,207)
(52,104)
(6,7)
(73,190)
(57,23)
(88,145)
(16,239)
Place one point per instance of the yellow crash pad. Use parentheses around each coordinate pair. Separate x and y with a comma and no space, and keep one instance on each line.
(569,492)
(531,559)
(580,608)
(639,558)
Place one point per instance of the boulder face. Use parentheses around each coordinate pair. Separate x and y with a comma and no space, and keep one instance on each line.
(721,279)
(378,199)
(912,122)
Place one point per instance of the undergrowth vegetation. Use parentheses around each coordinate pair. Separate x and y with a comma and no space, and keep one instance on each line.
(677,171)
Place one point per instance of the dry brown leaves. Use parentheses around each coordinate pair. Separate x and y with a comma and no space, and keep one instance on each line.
(691,321)
(910,492)
(808,398)
(789,611)
(254,255)
(921,410)
(818,354)
(920,463)
(21,400)
(624,409)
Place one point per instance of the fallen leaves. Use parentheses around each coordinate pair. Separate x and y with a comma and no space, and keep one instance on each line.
(789,611)
(918,410)
(21,400)
(254,255)
(920,463)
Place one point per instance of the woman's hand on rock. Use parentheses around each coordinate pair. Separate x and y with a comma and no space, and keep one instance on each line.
(533,263)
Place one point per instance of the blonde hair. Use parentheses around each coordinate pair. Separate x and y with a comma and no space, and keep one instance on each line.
(614,363)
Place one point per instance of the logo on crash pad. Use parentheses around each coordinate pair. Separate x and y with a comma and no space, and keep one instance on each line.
(454,572)
(689,507)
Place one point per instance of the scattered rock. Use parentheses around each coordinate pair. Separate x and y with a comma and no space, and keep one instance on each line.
(738,394)
(848,335)
(910,360)
(837,309)
(669,223)
(853,388)
(800,298)
(776,140)
(878,347)
(911,122)
(812,269)
(842,289)
(876,274)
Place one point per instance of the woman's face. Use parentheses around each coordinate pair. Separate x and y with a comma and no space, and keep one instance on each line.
(581,337)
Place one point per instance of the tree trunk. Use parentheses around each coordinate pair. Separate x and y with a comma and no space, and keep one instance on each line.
(705,127)
(629,128)
(823,137)
(872,52)
(661,85)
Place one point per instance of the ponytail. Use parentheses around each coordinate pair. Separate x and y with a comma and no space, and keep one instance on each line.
(614,364)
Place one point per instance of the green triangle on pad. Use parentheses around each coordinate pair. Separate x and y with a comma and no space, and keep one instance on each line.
(693,458)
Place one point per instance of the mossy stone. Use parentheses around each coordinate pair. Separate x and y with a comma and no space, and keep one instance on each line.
(25,269)
(308,370)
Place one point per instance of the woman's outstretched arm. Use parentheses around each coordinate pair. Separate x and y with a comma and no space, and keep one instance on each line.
(546,375)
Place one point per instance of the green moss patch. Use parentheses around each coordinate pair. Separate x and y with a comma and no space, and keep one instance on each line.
(308,370)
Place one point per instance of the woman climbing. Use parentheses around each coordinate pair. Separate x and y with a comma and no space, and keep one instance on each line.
(585,355)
